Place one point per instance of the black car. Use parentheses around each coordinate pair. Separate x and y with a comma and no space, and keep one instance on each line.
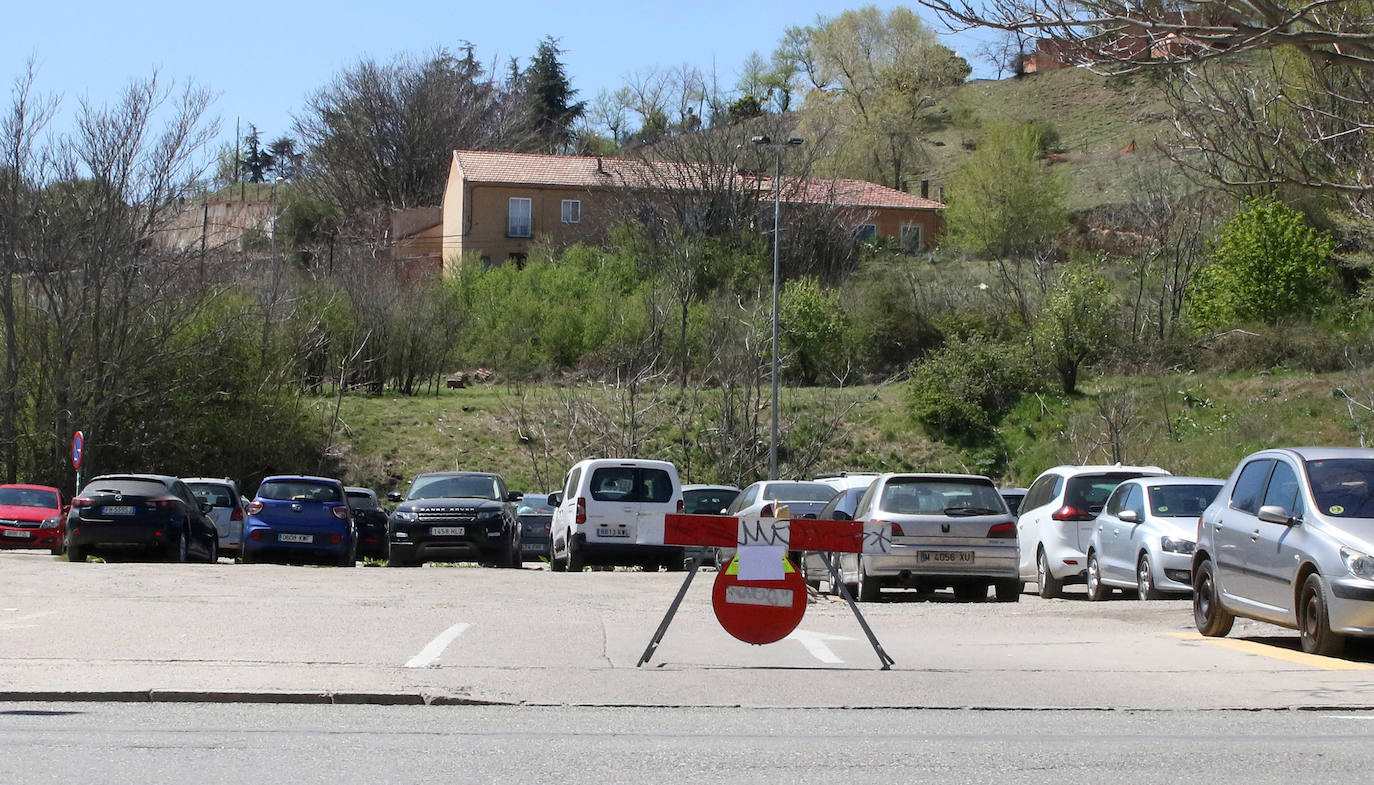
(536,518)
(150,512)
(455,516)
(369,520)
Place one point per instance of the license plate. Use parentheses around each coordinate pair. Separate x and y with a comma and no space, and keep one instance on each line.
(946,557)
(447,531)
(612,533)
(295,538)
(19,533)
(119,509)
(532,546)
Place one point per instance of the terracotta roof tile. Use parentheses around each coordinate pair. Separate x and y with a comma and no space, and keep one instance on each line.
(592,172)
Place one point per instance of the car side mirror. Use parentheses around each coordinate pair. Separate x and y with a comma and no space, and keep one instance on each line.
(1273,513)
(1129,516)
(206,507)
(555,499)
(394,496)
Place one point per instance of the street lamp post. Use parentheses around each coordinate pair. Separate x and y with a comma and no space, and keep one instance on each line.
(777,225)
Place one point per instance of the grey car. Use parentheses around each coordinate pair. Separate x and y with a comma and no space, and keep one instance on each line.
(948,530)
(1143,540)
(226,509)
(1290,541)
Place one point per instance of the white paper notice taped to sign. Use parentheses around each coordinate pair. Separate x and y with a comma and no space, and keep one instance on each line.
(760,562)
(757,595)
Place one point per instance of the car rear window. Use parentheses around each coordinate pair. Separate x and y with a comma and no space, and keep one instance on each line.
(707,502)
(798,492)
(298,491)
(28,497)
(631,484)
(215,495)
(1090,491)
(126,487)
(931,496)
(534,504)
(363,501)
(470,486)
(1181,501)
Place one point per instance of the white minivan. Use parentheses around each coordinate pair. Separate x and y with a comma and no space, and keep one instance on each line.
(610,513)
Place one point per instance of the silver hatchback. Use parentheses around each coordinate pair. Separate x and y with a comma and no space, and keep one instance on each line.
(1290,541)
(948,530)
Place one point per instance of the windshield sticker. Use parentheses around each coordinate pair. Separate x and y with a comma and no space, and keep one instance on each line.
(1335,509)
(1163,509)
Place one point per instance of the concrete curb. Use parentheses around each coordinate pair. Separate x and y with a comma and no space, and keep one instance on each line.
(194,696)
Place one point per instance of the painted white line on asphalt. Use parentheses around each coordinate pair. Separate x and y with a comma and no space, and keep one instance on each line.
(435,648)
(815,644)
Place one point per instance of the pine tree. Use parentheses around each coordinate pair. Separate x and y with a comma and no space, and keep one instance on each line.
(550,94)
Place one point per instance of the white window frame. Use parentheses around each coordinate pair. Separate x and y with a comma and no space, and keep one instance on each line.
(919,231)
(525,229)
(572,211)
(866,232)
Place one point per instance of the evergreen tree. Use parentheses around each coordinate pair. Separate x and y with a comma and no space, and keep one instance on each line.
(550,96)
(256,161)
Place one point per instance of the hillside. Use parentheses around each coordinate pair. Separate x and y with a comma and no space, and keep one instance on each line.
(1097,121)
(1186,423)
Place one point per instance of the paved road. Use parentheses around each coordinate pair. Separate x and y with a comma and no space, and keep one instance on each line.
(341,745)
(536,638)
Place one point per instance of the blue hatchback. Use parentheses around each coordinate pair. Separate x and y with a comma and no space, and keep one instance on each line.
(300,518)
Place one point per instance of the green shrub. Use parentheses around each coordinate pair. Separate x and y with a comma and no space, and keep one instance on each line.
(960,392)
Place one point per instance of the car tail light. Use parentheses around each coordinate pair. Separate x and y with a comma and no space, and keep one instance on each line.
(335,538)
(254,507)
(767,511)
(1069,513)
(237,514)
(896,527)
(81,502)
(680,508)
(162,504)
(1002,531)
(341,512)
(256,534)
(581,510)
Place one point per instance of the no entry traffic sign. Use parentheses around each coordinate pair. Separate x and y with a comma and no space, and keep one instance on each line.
(78,448)
(759,611)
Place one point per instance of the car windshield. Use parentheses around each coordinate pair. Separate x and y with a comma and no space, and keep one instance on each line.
(212,493)
(1090,491)
(28,497)
(1343,487)
(798,492)
(362,501)
(1182,501)
(298,491)
(467,486)
(125,486)
(631,484)
(1013,501)
(932,496)
(707,501)
(534,504)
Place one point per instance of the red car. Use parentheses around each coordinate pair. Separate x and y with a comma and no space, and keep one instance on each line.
(31,517)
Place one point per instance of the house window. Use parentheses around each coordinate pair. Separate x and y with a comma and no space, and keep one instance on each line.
(518,220)
(866,233)
(911,238)
(572,211)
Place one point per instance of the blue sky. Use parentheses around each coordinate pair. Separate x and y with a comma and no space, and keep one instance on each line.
(263,59)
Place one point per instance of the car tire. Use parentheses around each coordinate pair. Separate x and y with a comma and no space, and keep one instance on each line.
(556,564)
(1314,623)
(76,554)
(1096,590)
(870,588)
(178,550)
(970,592)
(1049,586)
(57,551)
(1211,619)
(213,551)
(244,557)
(1145,579)
(1008,591)
(577,560)
(349,558)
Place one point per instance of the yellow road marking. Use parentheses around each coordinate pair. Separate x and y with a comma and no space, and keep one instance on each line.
(1278,653)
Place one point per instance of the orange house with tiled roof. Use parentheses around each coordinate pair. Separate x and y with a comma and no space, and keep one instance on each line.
(497,205)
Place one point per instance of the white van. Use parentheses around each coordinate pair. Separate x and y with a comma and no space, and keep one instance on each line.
(610,513)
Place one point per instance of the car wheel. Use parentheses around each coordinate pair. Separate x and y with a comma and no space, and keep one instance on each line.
(1008,591)
(1211,619)
(970,592)
(556,564)
(577,560)
(1145,579)
(349,558)
(1314,624)
(57,551)
(213,551)
(1096,591)
(870,588)
(1050,586)
(180,547)
(76,554)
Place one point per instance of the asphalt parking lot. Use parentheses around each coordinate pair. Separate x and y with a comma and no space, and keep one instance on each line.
(270,633)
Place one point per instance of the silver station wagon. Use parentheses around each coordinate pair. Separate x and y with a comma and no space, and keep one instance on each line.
(948,530)
(1290,541)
